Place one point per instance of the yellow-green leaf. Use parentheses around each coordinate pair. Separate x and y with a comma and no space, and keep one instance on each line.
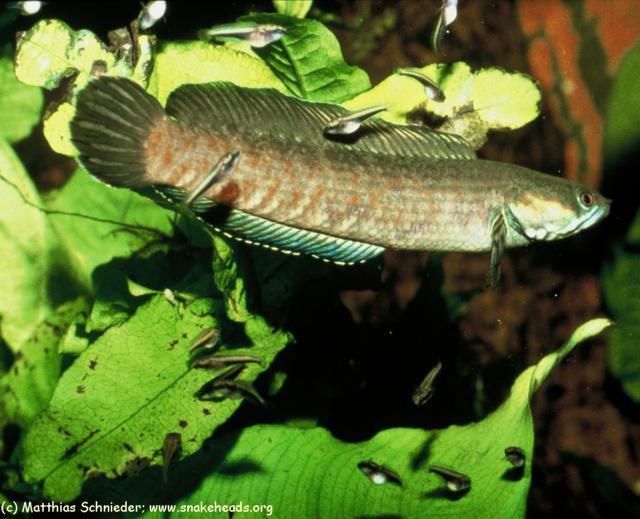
(475,102)
(113,407)
(27,242)
(295,8)
(20,105)
(51,50)
(178,63)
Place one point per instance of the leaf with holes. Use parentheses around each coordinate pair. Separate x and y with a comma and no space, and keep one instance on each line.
(143,364)
(308,473)
(29,384)
(51,51)
(475,101)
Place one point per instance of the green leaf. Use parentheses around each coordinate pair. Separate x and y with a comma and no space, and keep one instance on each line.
(27,243)
(143,364)
(308,60)
(621,131)
(308,473)
(295,8)
(621,285)
(20,105)
(106,222)
(114,302)
(228,280)
(475,102)
(178,63)
(28,386)
(51,51)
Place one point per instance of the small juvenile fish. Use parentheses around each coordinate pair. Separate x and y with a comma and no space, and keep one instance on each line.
(122,45)
(219,361)
(232,389)
(225,386)
(221,170)
(257,35)
(151,13)
(516,456)
(455,481)
(207,338)
(27,7)
(378,474)
(173,298)
(432,90)
(447,15)
(297,191)
(426,390)
(350,124)
(98,68)
(172,444)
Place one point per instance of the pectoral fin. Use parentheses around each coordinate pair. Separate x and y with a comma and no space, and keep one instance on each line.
(498,241)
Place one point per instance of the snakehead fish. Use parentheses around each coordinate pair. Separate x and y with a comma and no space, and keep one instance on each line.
(273,178)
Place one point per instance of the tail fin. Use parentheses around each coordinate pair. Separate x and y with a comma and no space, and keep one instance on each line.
(112,122)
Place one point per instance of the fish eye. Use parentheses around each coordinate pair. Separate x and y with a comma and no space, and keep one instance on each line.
(586,199)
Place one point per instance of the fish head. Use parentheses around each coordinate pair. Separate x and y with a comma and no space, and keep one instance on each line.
(555,210)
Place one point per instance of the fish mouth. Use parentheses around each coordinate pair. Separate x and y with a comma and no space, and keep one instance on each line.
(599,213)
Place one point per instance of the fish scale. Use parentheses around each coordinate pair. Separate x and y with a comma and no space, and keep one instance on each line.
(295,189)
(395,207)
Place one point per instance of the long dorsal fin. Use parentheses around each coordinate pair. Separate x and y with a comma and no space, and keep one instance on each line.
(225,107)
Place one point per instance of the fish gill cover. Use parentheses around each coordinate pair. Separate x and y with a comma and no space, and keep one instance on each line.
(104,292)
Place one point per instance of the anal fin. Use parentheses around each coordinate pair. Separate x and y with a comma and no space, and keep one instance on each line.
(292,240)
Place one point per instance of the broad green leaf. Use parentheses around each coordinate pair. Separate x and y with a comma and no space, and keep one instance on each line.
(228,279)
(28,386)
(114,302)
(114,406)
(106,222)
(170,269)
(308,60)
(621,283)
(20,105)
(621,131)
(178,63)
(51,51)
(76,340)
(400,94)
(505,100)
(475,102)
(27,243)
(308,473)
(295,8)
(228,264)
